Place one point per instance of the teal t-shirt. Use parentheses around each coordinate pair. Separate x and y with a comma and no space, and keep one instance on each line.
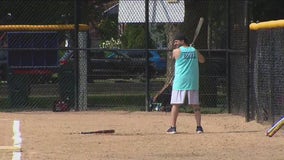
(187,70)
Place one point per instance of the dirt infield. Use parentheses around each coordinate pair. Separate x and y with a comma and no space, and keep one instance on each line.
(138,136)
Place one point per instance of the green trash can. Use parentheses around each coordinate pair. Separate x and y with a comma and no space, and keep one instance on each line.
(19,90)
(66,82)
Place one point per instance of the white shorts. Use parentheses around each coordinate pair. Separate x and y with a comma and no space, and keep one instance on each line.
(178,97)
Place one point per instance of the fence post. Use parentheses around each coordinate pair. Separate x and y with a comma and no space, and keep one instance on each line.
(147,54)
(82,85)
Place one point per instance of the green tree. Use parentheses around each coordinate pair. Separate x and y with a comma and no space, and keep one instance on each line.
(108,28)
(39,12)
(103,27)
(134,37)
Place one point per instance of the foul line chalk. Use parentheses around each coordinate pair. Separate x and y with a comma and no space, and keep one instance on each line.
(10,149)
(17,140)
(17,146)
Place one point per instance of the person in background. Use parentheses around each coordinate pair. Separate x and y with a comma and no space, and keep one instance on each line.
(186,80)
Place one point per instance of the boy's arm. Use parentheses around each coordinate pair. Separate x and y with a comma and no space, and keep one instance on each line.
(201,58)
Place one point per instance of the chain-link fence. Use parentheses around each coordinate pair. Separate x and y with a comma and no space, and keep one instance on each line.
(238,58)
(165,20)
(38,54)
(267,72)
(118,46)
(38,66)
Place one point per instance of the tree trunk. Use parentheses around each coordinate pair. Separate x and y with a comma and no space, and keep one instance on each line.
(161,96)
(171,30)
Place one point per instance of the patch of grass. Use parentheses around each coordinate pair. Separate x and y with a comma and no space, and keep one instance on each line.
(117,102)
(33,103)
(133,102)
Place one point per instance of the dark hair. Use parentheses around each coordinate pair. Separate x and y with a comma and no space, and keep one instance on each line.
(181,36)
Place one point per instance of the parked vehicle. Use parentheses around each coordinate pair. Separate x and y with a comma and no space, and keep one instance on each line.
(112,64)
(109,64)
(156,60)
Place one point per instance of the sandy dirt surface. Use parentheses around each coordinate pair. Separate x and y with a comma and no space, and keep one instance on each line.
(138,136)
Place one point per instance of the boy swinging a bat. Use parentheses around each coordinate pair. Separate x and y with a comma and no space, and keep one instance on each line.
(186,81)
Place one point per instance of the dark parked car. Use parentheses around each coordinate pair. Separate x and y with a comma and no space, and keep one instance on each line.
(111,64)
(156,60)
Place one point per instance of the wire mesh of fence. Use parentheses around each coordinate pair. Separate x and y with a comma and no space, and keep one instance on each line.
(267,72)
(122,55)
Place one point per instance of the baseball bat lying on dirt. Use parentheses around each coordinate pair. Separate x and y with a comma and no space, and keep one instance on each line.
(106,131)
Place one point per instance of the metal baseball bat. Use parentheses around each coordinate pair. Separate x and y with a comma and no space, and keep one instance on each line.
(197,30)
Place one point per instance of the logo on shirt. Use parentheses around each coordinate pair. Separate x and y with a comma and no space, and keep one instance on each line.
(189,55)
